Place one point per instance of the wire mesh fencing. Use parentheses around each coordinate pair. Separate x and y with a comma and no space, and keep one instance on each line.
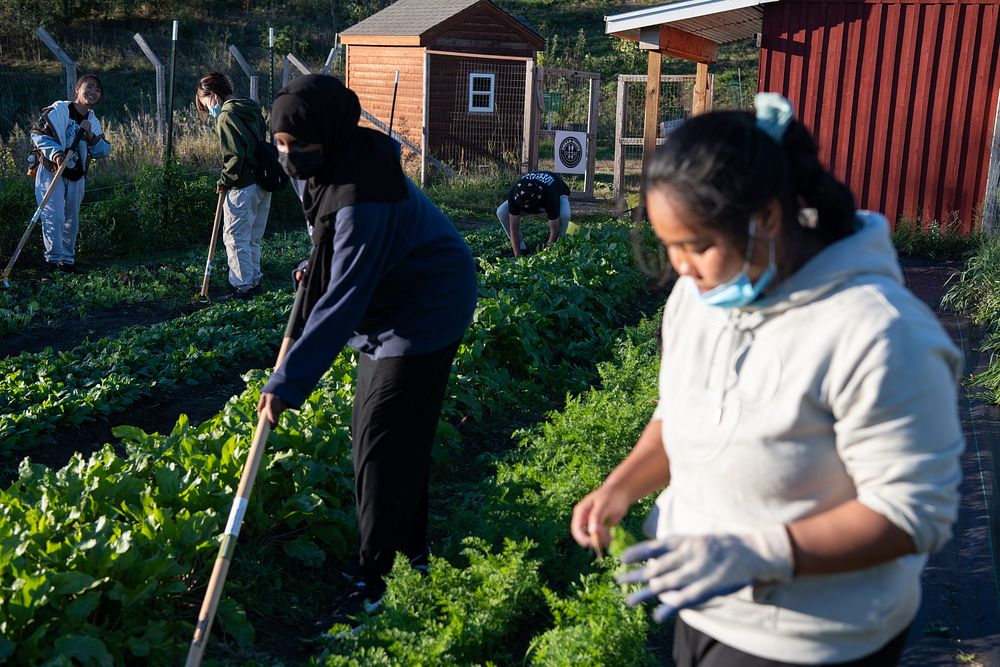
(567,104)
(37,69)
(475,114)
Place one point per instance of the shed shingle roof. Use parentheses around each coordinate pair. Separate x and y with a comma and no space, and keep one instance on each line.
(409,17)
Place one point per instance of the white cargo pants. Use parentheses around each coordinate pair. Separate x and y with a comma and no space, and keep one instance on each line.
(244,220)
(61,215)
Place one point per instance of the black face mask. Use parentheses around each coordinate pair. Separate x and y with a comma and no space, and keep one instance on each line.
(301,164)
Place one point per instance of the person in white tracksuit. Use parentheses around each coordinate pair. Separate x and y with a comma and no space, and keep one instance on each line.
(807,429)
(66,125)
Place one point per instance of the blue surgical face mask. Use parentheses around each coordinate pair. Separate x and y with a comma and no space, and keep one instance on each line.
(214,111)
(739,291)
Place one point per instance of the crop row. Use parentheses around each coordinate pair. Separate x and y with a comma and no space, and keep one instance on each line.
(82,550)
(521,592)
(48,390)
(172,281)
(38,300)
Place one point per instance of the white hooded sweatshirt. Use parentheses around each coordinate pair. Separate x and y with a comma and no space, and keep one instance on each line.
(838,384)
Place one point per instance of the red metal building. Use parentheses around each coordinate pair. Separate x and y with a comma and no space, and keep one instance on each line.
(901,94)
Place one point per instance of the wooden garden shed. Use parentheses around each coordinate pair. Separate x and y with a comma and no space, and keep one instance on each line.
(902,95)
(466,72)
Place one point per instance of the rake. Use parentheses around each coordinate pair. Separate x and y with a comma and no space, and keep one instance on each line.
(210,603)
(202,297)
(38,211)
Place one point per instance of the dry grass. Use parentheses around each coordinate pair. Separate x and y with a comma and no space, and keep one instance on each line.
(135,144)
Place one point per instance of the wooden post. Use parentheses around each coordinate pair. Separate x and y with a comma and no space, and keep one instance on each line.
(536,120)
(529,115)
(655,66)
(425,133)
(595,102)
(701,103)
(618,181)
(245,66)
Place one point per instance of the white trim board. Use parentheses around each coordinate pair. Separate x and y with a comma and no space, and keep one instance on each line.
(673,12)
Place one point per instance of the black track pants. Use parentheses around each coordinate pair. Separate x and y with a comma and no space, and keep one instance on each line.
(694,648)
(397,404)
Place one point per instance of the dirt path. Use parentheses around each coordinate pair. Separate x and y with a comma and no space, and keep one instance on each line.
(959,619)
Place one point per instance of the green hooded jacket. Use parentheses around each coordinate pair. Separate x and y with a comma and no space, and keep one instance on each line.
(240,126)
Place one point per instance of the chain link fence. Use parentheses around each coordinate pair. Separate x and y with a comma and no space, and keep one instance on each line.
(135,70)
(37,69)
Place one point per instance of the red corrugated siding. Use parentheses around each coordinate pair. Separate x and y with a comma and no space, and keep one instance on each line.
(901,96)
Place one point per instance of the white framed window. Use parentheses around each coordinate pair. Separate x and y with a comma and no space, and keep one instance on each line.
(481,92)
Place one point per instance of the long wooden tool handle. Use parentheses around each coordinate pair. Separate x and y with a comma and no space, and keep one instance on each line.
(211,245)
(38,213)
(210,603)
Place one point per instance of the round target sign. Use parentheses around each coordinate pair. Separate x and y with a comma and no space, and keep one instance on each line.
(571,152)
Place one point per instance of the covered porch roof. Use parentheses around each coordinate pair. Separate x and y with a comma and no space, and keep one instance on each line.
(689,29)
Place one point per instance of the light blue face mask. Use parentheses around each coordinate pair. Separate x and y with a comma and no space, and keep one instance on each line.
(214,111)
(739,291)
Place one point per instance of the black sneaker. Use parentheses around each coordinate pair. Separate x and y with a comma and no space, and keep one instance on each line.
(241,294)
(67,268)
(366,594)
(422,562)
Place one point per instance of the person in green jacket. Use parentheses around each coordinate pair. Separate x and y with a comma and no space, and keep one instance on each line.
(240,125)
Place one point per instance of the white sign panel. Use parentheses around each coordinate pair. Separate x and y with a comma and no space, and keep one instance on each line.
(571,152)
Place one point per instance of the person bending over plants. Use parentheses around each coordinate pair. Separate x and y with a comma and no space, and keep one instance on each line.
(535,192)
(62,127)
(391,277)
(240,125)
(807,424)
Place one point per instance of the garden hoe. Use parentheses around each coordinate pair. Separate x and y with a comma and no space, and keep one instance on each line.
(201,298)
(38,211)
(213,593)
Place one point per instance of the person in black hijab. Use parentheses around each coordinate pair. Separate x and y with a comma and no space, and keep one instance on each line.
(390,276)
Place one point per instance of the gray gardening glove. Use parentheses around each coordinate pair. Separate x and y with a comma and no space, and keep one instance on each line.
(687,570)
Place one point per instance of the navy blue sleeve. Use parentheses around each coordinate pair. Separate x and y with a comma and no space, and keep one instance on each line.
(360,251)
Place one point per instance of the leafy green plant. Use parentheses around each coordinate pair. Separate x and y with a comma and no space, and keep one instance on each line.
(46,390)
(975,290)
(169,495)
(452,615)
(84,549)
(934,238)
(592,626)
(529,501)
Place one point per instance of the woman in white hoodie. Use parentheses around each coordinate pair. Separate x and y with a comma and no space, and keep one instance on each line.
(806,432)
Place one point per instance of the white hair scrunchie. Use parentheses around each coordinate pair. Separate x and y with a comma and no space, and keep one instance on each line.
(774,113)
